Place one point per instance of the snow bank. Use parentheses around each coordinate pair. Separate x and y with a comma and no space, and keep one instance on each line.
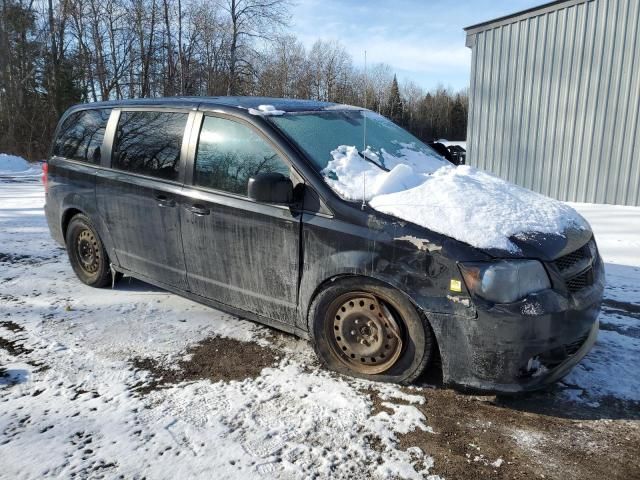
(464,203)
(12,163)
(266,110)
(617,230)
(17,167)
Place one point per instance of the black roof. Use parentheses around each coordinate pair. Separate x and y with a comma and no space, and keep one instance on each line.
(244,103)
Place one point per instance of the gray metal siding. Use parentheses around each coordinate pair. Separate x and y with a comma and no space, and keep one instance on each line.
(555,100)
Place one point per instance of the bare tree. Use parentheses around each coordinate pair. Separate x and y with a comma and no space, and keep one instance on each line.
(283,69)
(250,19)
(55,53)
(210,50)
(329,66)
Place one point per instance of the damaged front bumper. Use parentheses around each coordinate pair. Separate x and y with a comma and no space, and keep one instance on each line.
(520,346)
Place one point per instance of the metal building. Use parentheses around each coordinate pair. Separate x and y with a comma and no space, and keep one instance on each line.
(555,99)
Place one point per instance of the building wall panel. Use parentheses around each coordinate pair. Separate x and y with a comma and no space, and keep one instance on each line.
(555,100)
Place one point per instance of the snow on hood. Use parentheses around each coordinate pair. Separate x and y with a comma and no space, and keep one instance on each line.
(462,202)
(266,110)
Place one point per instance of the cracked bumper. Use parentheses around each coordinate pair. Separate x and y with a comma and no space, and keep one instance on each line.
(518,347)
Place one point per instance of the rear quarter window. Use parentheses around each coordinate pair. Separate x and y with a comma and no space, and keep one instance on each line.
(81,134)
(149,143)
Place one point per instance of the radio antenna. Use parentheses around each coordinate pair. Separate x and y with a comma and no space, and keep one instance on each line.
(364,134)
(364,137)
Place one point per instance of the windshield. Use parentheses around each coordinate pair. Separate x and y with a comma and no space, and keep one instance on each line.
(393,159)
(400,176)
(320,133)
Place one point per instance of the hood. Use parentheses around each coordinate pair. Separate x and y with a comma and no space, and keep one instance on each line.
(545,246)
(469,205)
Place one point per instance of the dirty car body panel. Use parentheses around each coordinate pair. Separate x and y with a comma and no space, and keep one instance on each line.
(268,262)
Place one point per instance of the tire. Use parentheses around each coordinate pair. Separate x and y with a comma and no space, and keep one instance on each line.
(364,328)
(86,252)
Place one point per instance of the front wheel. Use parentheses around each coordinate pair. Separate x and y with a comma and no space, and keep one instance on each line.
(366,329)
(86,253)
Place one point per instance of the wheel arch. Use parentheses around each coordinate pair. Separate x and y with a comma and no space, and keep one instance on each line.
(343,276)
(349,275)
(67,215)
(434,371)
(75,205)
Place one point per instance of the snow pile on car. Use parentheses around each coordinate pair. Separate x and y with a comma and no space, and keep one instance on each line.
(266,110)
(462,202)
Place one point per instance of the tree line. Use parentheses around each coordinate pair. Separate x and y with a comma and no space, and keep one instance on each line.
(56,53)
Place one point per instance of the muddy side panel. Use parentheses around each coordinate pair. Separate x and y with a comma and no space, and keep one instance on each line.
(143,218)
(71,188)
(242,253)
(395,253)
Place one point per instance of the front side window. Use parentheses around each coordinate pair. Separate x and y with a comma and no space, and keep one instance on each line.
(149,143)
(80,136)
(229,153)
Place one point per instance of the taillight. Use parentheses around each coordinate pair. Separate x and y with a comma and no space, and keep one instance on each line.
(45,172)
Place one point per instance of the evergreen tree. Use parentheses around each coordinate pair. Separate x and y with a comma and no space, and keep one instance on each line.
(395,108)
(458,120)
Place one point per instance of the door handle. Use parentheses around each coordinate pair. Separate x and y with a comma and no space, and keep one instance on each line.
(198,209)
(164,201)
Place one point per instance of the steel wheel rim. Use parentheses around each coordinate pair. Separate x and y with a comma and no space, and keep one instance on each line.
(363,333)
(88,251)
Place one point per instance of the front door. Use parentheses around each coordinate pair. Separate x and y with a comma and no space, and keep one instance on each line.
(239,252)
(139,196)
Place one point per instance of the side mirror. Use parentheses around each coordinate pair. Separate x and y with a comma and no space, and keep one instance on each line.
(271,188)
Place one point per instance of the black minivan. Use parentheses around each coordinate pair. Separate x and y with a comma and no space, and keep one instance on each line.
(231,201)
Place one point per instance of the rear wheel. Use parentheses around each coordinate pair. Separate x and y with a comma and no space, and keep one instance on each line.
(86,253)
(366,329)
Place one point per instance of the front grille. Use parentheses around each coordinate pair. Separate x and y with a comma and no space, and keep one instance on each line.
(569,260)
(567,265)
(580,281)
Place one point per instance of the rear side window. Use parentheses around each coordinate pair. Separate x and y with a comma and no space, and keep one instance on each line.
(81,134)
(229,153)
(149,143)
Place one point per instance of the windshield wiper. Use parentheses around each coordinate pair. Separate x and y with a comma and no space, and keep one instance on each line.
(371,160)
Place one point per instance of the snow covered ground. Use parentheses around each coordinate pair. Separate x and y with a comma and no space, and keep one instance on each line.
(81,392)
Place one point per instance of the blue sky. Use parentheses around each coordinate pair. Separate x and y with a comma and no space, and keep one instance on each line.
(422,40)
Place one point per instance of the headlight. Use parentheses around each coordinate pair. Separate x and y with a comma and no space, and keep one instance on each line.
(505,281)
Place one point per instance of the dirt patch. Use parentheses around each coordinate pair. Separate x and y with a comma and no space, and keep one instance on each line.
(215,359)
(476,438)
(377,402)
